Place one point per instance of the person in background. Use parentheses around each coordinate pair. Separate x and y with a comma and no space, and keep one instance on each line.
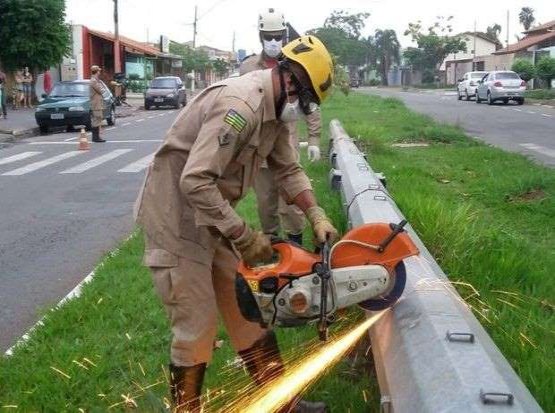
(273,211)
(27,84)
(97,103)
(3,93)
(47,82)
(18,93)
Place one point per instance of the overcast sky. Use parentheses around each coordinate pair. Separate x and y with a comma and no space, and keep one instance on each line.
(219,19)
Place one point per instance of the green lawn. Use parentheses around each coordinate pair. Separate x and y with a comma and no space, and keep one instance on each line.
(486,215)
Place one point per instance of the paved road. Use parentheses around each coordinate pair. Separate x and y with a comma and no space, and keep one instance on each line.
(61,209)
(527,129)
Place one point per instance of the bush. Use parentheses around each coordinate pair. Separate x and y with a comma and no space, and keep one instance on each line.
(524,68)
(545,69)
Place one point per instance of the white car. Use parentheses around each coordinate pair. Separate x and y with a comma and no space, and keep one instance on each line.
(468,84)
(503,85)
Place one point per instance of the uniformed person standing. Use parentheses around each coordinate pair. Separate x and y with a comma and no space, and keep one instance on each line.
(271,207)
(97,103)
(194,237)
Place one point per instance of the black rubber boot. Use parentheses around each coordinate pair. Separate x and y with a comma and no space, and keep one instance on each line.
(185,387)
(262,359)
(296,238)
(264,363)
(96,135)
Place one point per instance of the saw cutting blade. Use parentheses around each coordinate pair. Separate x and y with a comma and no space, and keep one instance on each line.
(399,279)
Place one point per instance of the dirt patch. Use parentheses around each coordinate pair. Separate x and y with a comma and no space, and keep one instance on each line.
(529,196)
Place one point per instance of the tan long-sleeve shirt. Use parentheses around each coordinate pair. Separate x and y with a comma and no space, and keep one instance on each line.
(208,161)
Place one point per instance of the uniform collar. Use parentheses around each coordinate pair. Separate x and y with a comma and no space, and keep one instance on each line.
(269,105)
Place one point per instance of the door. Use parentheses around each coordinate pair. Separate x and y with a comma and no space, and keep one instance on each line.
(481,91)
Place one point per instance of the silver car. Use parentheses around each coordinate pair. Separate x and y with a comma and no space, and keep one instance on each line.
(502,85)
(468,84)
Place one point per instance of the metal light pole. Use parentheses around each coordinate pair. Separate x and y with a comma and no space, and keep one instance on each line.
(117,56)
(194,45)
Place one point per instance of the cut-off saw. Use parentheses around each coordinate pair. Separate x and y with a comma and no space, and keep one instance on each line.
(298,286)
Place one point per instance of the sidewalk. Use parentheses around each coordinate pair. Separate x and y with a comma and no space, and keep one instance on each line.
(20,123)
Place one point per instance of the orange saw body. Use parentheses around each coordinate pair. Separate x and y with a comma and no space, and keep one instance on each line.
(365,267)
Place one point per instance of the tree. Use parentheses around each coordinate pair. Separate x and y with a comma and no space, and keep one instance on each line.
(387,51)
(221,67)
(341,35)
(33,33)
(545,69)
(433,46)
(350,24)
(526,17)
(193,59)
(493,32)
(524,68)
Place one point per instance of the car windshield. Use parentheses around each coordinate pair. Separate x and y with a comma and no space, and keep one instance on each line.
(163,84)
(506,75)
(477,75)
(70,90)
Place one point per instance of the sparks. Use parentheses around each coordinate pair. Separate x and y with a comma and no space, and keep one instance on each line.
(280,391)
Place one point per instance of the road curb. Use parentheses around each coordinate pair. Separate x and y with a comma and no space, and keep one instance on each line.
(73,294)
(7,135)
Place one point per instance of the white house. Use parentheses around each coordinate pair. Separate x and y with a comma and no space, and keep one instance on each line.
(457,64)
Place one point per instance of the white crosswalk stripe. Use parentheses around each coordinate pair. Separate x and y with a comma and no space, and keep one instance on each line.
(138,166)
(18,157)
(540,149)
(41,164)
(85,166)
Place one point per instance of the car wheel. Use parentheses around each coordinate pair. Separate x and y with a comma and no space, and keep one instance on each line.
(459,96)
(70,128)
(43,129)
(478,100)
(490,100)
(466,95)
(520,101)
(505,101)
(147,106)
(112,118)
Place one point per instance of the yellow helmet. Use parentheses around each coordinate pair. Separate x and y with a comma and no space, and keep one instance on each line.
(312,55)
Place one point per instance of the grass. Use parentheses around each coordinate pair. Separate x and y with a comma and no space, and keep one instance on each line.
(542,94)
(486,215)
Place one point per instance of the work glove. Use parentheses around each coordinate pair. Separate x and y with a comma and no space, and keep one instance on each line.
(313,153)
(321,226)
(254,246)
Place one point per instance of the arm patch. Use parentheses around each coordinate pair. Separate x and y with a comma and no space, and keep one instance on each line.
(236,121)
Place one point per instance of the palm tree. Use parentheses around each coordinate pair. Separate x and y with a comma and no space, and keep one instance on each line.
(387,51)
(526,17)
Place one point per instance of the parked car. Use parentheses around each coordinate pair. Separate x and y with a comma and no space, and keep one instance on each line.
(354,82)
(501,85)
(468,84)
(69,105)
(165,91)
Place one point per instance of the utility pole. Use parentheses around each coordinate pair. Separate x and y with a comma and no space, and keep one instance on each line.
(507,28)
(474,47)
(194,45)
(117,56)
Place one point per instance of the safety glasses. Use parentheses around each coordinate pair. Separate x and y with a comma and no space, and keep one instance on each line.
(270,37)
(307,101)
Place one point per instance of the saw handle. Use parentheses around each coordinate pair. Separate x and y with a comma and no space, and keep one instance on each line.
(396,230)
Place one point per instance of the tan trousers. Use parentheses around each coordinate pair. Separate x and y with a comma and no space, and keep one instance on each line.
(193,293)
(271,207)
(96,118)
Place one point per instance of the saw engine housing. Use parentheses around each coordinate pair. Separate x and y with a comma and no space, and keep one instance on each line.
(365,267)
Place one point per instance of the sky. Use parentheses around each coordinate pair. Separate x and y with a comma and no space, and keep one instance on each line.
(219,20)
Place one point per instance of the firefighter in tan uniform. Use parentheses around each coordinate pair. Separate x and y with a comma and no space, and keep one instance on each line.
(271,207)
(97,103)
(194,238)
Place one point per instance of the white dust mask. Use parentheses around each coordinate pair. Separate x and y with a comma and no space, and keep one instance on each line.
(291,111)
(272,48)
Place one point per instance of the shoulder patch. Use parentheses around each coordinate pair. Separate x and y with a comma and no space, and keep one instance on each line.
(236,121)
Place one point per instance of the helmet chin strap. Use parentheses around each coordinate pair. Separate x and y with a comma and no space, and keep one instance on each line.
(283,92)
